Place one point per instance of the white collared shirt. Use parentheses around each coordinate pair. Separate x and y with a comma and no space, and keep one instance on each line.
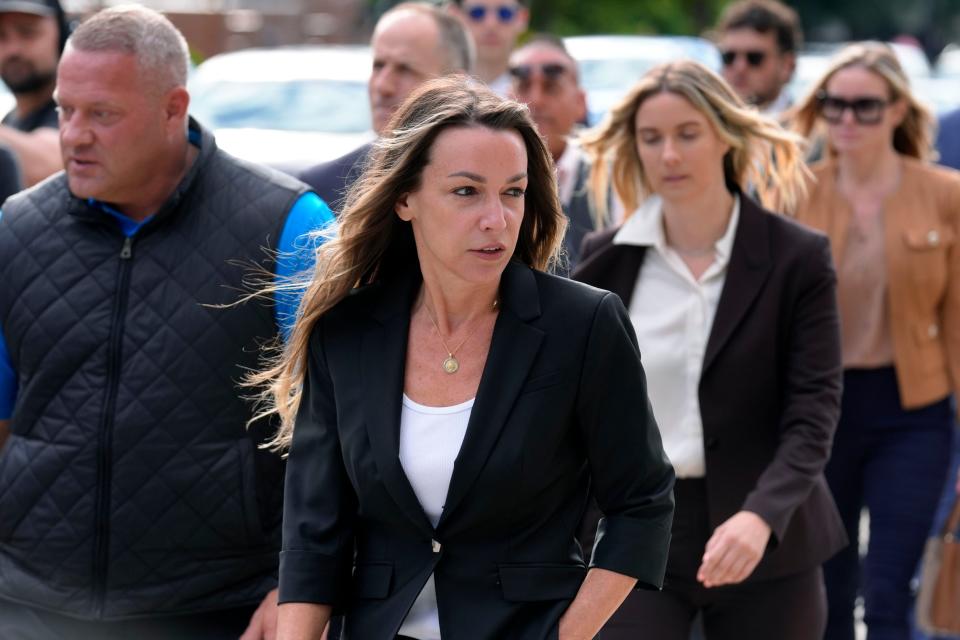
(568,164)
(502,85)
(672,313)
(779,105)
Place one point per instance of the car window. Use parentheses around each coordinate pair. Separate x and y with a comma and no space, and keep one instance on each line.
(610,73)
(307,105)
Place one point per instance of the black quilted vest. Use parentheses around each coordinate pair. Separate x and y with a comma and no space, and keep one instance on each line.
(130,485)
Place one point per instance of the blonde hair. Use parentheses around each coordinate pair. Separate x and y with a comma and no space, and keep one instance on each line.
(762,154)
(913,136)
(372,242)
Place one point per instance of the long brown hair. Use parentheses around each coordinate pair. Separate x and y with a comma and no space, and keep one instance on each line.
(762,154)
(914,135)
(372,242)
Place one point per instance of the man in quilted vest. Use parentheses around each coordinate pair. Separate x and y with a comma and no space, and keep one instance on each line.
(135,501)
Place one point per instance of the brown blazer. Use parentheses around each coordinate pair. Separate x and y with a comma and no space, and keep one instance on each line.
(921,231)
(770,385)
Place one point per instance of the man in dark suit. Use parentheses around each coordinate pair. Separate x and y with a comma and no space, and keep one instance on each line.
(545,77)
(948,139)
(412,43)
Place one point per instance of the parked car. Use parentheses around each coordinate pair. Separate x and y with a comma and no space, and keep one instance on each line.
(609,65)
(289,107)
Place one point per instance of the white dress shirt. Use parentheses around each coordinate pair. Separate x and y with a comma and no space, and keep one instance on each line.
(430,440)
(672,313)
(568,165)
(779,105)
(502,85)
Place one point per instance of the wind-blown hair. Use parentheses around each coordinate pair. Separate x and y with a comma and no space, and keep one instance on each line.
(915,134)
(762,154)
(372,242)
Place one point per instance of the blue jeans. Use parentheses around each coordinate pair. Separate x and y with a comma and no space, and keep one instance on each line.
(894,462)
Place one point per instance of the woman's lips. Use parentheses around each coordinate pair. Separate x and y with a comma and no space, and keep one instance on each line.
(493,252)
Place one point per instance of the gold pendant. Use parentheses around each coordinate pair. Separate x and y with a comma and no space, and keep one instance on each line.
(450,364)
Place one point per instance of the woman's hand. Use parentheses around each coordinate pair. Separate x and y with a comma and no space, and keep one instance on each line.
(734,550)
(600,595)
(302,621)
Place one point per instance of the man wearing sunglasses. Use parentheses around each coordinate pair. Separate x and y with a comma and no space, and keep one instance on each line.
(495,25)
(544,76)
(758,41)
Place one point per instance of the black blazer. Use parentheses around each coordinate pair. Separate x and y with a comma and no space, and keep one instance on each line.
(771,381)
(331,180)
(562,397)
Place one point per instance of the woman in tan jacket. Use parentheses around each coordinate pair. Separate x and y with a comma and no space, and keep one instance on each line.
(892,218)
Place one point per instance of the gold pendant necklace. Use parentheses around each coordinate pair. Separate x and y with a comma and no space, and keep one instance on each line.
(450,364)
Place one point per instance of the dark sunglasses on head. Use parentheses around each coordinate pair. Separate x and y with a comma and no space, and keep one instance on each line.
(866,109)
(754,58)
(505,13)
(550,70)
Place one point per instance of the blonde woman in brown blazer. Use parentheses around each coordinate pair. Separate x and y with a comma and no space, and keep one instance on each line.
(892,218)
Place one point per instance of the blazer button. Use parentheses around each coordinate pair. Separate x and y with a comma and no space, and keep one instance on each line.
(436,546)
(933,237)
(712,443)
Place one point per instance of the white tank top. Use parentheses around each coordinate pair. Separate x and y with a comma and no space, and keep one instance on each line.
(430,440)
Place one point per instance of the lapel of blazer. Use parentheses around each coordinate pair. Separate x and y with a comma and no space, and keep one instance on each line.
(383,360)
(512,351)
(747,270)
(613,267)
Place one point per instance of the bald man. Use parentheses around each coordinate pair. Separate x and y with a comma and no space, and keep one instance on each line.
(412,43)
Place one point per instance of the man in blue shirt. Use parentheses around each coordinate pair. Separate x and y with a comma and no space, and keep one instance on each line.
(135,500)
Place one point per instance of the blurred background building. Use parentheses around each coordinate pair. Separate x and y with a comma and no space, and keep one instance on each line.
(213,26)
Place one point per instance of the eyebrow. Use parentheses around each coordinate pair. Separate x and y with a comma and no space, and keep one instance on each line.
(689,123)
(478,178)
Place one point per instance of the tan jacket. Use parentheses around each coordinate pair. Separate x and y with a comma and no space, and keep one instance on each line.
(922,238)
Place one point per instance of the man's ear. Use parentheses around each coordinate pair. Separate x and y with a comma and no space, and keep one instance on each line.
(177,103)
(581,105)
(788,66)
(523,18)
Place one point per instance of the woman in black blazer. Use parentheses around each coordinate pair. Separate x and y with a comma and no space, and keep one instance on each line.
(735,315)
(453,399)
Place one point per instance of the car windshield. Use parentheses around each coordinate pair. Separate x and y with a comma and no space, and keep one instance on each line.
(611,73)
(305,105)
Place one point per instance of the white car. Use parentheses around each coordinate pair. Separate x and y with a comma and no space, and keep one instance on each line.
(289,107)
(609,65)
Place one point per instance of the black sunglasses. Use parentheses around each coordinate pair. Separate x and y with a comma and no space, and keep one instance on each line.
(754,58)
(505,13)
(866,109)
(550,70)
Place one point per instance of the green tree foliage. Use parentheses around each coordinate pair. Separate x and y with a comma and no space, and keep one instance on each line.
(934,22)
(572,17)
